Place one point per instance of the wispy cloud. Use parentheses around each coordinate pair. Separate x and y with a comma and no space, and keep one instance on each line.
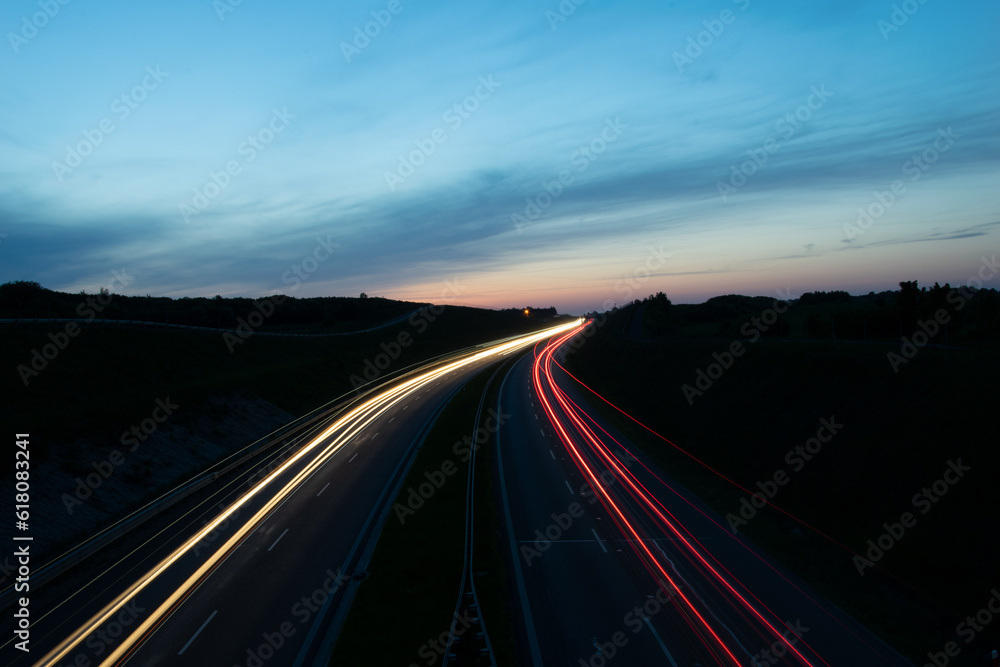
(657,182)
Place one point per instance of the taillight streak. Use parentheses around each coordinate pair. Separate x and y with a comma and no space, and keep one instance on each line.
(543,380)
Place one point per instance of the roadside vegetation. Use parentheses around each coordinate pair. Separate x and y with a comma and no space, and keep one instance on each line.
(417,565)
(826,359)
(102,379)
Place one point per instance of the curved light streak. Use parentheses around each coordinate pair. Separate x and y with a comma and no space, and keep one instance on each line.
(341,431)
(572,428)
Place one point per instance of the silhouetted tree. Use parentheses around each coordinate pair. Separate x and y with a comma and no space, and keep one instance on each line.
(908,301)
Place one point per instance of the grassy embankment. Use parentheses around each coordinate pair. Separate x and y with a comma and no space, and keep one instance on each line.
(900,430)
(417,565)
(107,378)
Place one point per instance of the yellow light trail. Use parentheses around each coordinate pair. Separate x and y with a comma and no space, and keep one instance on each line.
(352,424)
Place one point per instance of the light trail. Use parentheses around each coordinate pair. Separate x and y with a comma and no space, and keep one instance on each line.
(680,496)
(342,431)
(565,418)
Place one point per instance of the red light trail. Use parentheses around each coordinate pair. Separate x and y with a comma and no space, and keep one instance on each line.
(642,519)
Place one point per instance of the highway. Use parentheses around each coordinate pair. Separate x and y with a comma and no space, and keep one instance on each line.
(270,578)
(615,563)
(611,561)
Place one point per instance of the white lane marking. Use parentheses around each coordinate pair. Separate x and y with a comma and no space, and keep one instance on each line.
(660,641)
(663,539)
(568,486)
(536,416)
(390,419)
(323,489)
(376,435)
(405,406)
(327,450)
(277,540)
(198,632)
(353,457)
(599,540)
(560,541)
(680,576)
(541,431)
(552,455)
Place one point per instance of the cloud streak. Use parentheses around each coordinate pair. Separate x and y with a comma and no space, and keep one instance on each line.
(656,183)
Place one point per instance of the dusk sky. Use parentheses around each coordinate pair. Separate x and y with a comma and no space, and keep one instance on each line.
(430,151)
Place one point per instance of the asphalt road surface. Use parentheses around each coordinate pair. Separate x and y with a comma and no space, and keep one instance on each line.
(273,583)
(617,564)
(613,562)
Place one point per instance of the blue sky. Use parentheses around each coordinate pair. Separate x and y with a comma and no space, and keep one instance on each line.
(646,110)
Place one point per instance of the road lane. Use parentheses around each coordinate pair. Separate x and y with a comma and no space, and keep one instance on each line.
(579,592)
(738,605)
(330,497)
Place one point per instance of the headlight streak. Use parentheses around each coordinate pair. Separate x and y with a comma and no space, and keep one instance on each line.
(544,383)
(351,425)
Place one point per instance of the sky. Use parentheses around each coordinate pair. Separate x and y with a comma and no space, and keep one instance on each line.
(498,154)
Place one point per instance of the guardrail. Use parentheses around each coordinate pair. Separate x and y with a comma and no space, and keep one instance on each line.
(107,536)
(294,429)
